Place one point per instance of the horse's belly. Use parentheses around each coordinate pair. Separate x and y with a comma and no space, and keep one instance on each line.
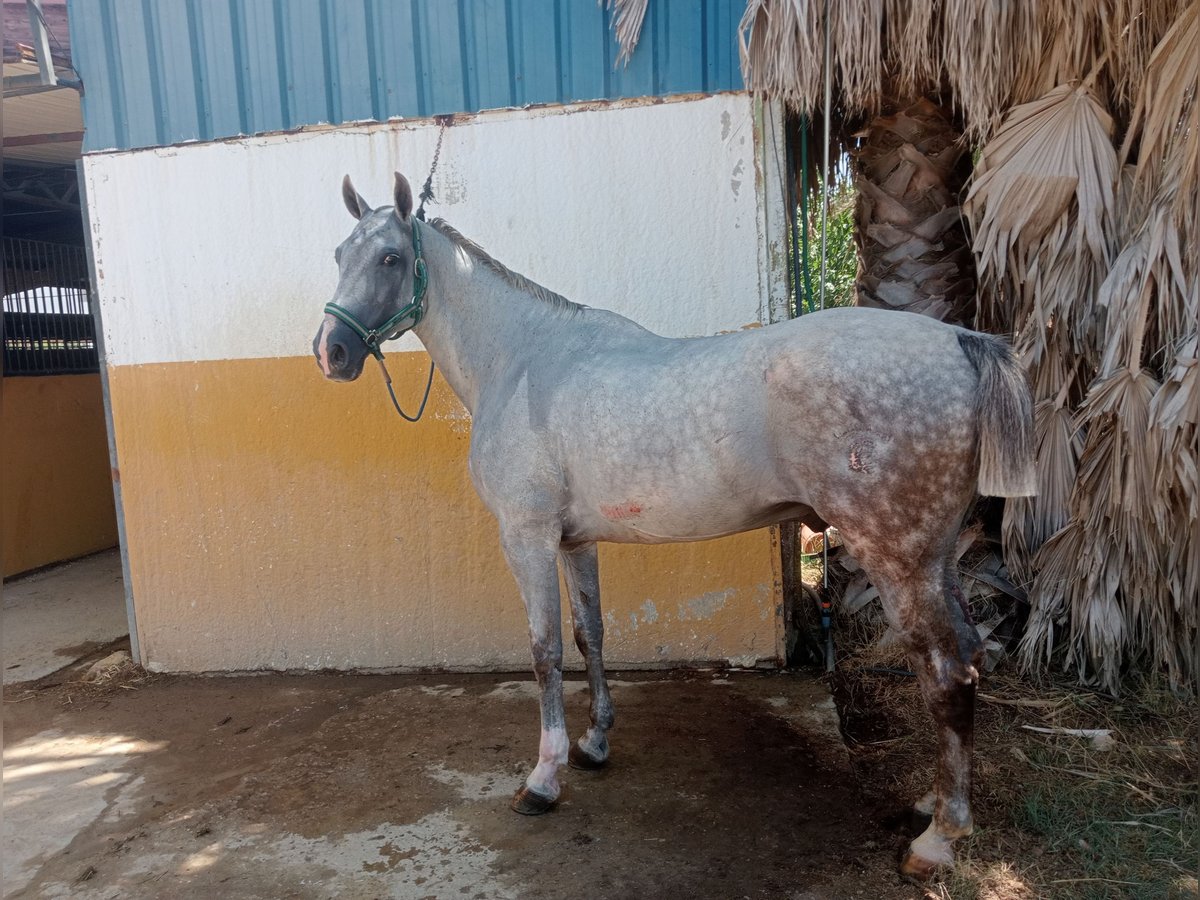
(667,511)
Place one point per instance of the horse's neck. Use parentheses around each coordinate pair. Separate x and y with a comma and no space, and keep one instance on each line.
(476,325)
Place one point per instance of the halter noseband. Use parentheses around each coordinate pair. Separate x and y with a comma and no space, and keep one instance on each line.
(372,337)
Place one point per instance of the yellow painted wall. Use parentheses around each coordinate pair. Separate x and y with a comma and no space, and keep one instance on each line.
(277,520)
(57,496)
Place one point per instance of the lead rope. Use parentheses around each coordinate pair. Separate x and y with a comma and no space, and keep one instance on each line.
(426,194)
(387,379)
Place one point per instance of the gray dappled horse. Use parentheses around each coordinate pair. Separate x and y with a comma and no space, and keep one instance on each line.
(587,427)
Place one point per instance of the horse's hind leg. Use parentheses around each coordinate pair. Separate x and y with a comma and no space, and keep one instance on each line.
(923,809)
(582,571)
(926,610)
(531,555)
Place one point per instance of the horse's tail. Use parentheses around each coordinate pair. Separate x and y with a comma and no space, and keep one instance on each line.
(1004,409)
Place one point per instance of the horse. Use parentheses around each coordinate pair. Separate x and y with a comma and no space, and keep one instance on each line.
(587,427)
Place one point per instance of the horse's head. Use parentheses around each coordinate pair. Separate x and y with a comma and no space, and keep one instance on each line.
(381,283)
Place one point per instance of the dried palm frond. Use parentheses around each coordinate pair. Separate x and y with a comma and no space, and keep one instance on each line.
(1031,521)
(1074,44)
(627,19)
(782,45)
(1041,209)
(913,44)
(1165,111)
(984,48)
(1175,416)
(1114,579)
(1135,28)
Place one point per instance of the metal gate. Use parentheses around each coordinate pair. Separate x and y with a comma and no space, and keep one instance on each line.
(48,324)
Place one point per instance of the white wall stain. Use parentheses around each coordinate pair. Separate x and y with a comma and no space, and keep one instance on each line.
(706,605)
(647,612)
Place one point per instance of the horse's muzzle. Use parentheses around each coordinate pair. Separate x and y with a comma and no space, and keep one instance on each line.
(340,353)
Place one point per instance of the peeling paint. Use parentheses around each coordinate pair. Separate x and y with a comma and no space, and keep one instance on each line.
(706,605)
(735,182)
(745,661)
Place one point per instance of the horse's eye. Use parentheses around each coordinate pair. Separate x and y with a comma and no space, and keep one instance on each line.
(391,259)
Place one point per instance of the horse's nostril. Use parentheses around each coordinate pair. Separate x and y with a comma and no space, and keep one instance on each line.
(337,355)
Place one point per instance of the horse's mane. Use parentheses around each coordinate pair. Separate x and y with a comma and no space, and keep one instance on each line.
(517,280)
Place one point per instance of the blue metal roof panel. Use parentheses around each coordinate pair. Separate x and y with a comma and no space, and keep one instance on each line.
(159,72)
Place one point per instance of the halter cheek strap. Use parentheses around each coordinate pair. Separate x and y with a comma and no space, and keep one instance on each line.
(389,330)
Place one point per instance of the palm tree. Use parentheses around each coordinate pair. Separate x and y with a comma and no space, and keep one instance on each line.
(1033,169)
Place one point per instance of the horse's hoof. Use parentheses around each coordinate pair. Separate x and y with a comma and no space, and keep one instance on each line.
(917,867)
(530,803)
(577,758)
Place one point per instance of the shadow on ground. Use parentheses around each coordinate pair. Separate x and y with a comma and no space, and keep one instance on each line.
(720,786)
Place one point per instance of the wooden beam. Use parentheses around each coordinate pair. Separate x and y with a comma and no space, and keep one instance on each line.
(33,140)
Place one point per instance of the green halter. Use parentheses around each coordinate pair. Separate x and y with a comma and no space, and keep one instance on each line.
(372,337)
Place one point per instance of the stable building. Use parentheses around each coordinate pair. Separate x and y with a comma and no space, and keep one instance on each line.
(271,519)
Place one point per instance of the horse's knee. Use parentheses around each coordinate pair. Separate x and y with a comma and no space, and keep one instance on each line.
(547,661)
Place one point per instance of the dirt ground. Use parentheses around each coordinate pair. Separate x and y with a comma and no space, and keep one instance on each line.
(721,785)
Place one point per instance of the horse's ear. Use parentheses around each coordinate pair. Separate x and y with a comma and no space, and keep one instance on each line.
(404,200)
(354,202)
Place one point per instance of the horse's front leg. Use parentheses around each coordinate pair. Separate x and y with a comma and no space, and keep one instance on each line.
(532,556)
(582,570)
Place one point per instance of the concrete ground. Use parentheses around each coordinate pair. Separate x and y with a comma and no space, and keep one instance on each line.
(59,615)
(721,785)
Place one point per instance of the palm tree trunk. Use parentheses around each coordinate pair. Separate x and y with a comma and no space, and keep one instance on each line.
(910,169)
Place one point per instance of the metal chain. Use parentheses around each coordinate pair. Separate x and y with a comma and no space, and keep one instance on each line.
(427,190)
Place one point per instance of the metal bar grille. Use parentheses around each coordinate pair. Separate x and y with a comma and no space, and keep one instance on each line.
(48,325)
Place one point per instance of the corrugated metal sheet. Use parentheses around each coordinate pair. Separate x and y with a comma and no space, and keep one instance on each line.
(158,72)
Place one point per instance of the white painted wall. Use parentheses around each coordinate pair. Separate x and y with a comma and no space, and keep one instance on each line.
(225,250)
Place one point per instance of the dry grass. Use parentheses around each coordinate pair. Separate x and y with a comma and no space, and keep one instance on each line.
(74,690)
(1056,817)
